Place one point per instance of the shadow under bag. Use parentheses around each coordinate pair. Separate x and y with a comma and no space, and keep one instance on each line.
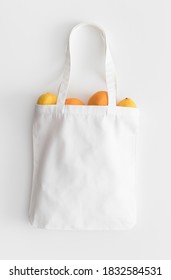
(84,160)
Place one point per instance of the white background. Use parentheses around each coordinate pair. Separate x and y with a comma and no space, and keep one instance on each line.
(33,37)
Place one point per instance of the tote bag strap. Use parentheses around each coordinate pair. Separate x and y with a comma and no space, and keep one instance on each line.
(109,68)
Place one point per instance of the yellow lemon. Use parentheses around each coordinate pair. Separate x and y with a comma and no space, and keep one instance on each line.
(127,102)
(73,101)
(99,98)
(47,99)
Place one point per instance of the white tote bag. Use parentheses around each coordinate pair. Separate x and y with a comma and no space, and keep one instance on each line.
(84,160)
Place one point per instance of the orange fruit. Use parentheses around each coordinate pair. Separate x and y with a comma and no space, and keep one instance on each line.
(127,102)
(47,99)
(73,101)
(99,98)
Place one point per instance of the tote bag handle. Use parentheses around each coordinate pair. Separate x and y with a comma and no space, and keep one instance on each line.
(109,68)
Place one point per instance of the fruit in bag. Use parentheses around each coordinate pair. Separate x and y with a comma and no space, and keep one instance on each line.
(73,101)
(47,99)
(127,102)
(99,98)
